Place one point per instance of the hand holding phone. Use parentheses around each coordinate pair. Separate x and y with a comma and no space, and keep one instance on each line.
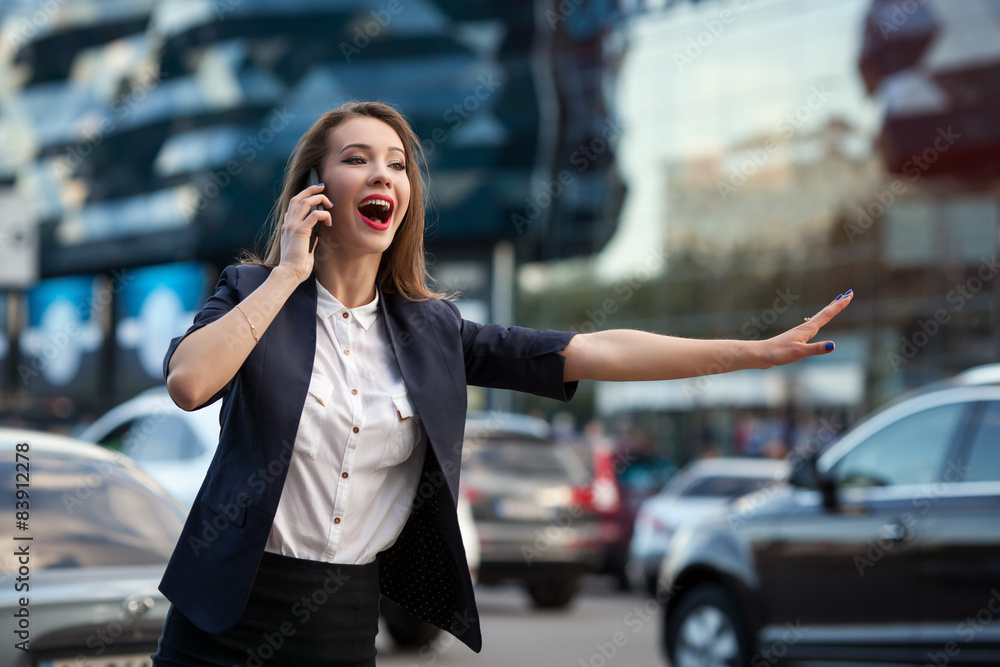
(313,180)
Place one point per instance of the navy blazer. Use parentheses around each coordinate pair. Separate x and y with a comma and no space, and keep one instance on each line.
(213,566)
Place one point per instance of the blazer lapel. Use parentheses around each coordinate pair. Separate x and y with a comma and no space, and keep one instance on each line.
(434,377)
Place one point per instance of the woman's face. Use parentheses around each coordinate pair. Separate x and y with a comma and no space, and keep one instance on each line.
(365,177)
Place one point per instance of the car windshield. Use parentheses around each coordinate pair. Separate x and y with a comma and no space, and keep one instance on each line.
(718,486)
(89,513)
(525,458)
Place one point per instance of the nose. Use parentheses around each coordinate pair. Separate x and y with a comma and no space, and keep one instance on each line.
(380,175)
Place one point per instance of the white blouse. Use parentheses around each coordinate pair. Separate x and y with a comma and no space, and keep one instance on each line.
(359,449)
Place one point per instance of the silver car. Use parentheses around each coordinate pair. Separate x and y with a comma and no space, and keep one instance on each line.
(702,490)
(87,536)
(174,447)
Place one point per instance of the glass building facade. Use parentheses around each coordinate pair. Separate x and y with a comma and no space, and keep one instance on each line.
(777,153)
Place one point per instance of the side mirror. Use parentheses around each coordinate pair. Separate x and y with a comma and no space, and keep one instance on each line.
(805,475)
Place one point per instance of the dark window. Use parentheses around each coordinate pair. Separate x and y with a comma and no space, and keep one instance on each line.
(984,450)
(526,458)
(908,451)
(725,487)
(154,438)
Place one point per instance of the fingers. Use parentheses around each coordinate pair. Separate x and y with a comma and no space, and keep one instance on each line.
(304,205)
(310,191)
(826,347)
(302,208)
(831,309)
(311,196)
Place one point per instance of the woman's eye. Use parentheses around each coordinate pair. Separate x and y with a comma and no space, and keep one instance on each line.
(355,159)
(398,166)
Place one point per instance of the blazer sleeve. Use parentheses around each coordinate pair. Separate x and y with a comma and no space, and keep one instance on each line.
(516,358)
(220,303)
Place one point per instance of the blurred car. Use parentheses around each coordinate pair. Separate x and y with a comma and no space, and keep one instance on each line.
(622,480)
(885,548)
(703,489)
(172,446)
(638,476)
(533,504)
(175,447)
(80,575)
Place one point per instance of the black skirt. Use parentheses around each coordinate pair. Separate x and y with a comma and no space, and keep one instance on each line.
(300,612)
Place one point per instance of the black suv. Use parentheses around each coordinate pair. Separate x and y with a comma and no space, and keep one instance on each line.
(885,548)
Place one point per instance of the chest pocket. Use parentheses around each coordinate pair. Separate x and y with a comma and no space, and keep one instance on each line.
(404,432)
(314,415)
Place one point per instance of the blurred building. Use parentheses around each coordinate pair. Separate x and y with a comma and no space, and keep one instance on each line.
(144,142)
(778,153)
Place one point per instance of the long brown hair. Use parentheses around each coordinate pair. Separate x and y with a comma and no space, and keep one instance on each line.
(403,267)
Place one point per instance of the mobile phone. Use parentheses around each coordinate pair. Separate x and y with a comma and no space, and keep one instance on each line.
(313,180)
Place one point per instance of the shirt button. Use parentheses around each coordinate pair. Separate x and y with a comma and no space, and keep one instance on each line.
(347,351)
(337,520)
(346,316)
(344,475)
(356,429)
(354,392)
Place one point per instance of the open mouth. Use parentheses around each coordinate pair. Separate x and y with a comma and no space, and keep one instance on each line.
(376,210)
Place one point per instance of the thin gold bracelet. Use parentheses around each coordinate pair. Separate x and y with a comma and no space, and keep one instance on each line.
(253,331)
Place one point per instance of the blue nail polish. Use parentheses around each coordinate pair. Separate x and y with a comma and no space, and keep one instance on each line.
(839,297)
(829,346)
(848,292)
(319,184)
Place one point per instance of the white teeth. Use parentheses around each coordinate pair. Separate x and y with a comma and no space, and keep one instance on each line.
(381,202)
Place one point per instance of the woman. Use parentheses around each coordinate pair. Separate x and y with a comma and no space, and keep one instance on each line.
(344,383)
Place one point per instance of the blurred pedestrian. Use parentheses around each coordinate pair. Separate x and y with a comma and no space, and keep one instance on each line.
(343,378)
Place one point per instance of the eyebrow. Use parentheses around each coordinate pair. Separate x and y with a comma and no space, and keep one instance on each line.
(368,148)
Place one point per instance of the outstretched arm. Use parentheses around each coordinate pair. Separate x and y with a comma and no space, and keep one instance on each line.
(627,355)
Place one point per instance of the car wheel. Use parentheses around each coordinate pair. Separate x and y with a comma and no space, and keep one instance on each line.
(556,594)
(707,630)
(406,630)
